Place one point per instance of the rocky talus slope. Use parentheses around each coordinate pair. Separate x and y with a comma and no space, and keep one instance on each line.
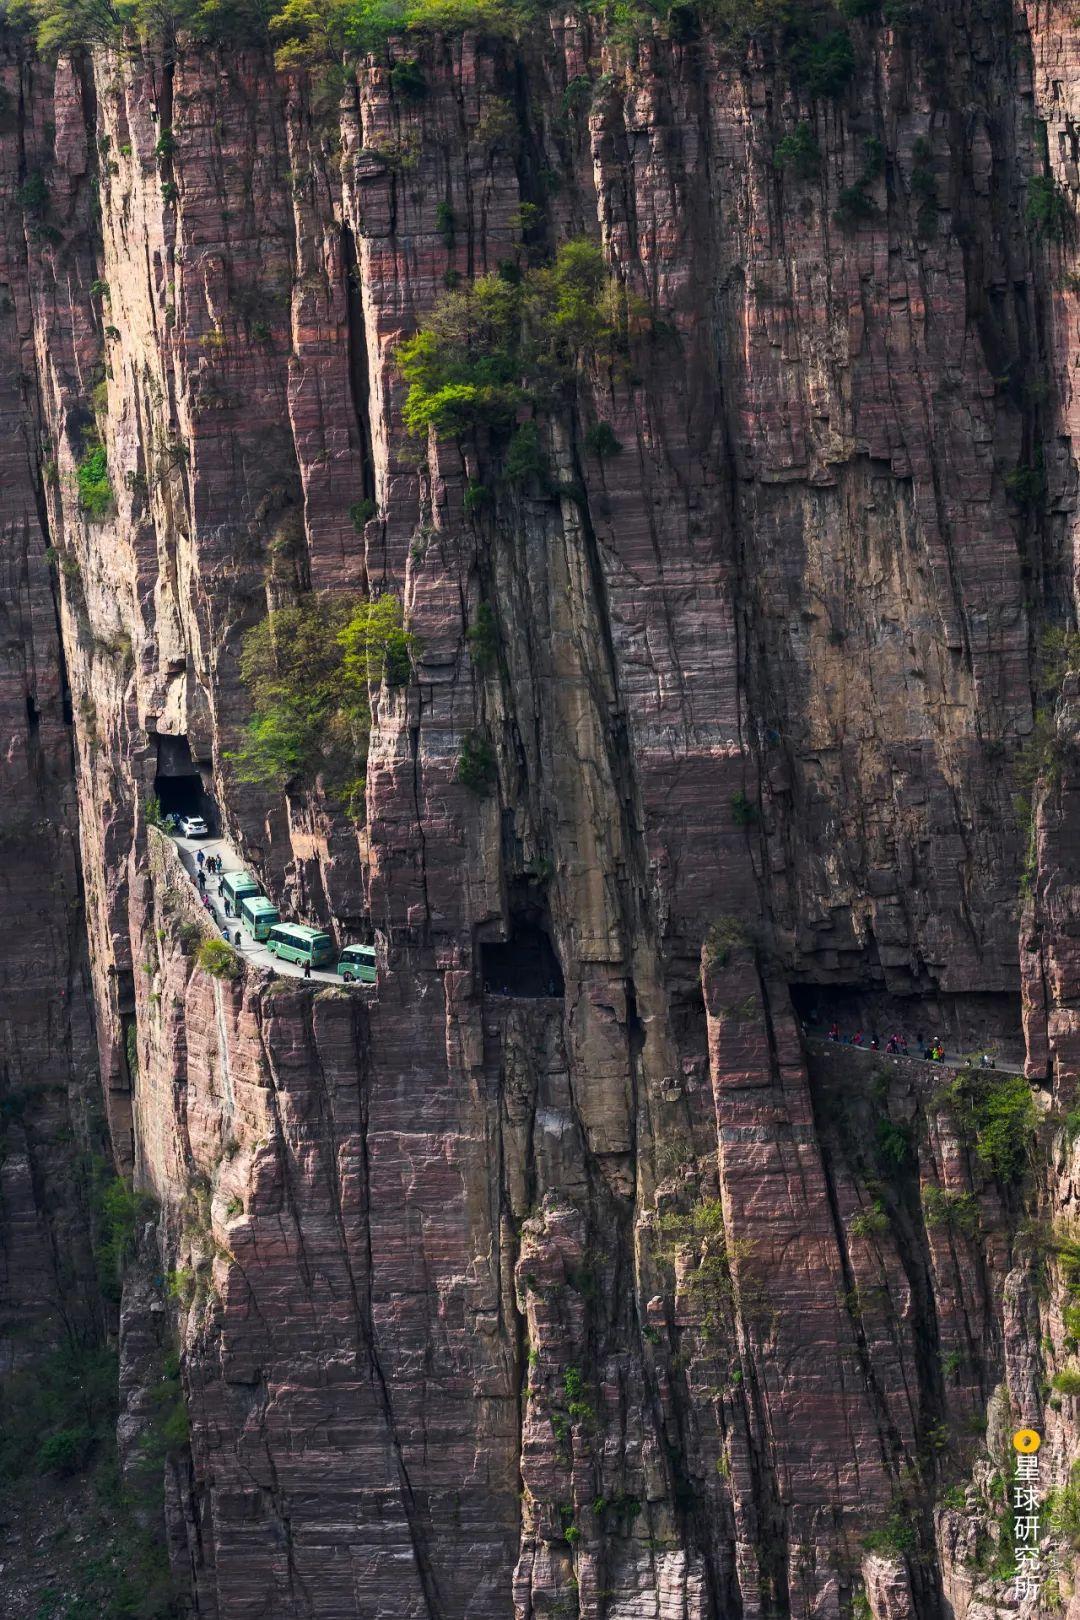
(618,1297)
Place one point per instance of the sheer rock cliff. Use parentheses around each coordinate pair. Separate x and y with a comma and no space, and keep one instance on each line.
(620,1297)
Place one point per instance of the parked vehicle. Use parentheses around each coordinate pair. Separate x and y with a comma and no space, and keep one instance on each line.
(357,962)
(193,826)
(258,914)
(294,942)
(236,885)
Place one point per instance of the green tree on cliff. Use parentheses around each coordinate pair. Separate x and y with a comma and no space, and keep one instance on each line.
(810,36)
(309,671)
(505,342)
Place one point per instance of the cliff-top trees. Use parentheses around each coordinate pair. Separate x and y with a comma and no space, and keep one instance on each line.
(308,671)
(305,32)
(812,37)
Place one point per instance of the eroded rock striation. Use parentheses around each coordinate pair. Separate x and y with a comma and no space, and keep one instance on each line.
(603,1287)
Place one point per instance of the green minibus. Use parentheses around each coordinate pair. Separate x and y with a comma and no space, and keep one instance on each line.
(235,885)
(357,962)
(293,942)
(258,914)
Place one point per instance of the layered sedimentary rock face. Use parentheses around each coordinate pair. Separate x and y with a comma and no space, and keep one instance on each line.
(568,1271)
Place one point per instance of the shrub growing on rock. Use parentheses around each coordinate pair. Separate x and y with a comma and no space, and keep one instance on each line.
(798,153)
(600,441)
(854,207)
(483,637)
(1046,211)
(407,79)
(218,959)
(997,1114)
(500,344)
(947,1207)
(95,490)
(361,512)
(743,810)
(873,1222)
(726,935)
(309,671)
(476,763)
(1063,1509)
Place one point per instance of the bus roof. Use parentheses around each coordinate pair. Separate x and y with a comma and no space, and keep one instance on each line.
(240,880)
(301,931)
(258,902)
(358,950)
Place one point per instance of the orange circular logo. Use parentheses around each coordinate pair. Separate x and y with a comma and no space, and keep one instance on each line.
(1027,1441)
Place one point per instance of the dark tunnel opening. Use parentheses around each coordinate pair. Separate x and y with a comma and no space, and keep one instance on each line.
(526,963)
(181,784)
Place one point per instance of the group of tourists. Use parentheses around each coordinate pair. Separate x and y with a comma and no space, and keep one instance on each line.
(896,1043)
(931,1051)
(205,864)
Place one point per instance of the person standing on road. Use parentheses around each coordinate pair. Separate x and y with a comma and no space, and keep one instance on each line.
(307,970)
(200,857)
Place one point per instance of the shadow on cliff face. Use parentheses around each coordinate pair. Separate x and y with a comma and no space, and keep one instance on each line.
(523,965)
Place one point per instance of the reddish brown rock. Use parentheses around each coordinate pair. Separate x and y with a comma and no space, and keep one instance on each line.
(602,1301)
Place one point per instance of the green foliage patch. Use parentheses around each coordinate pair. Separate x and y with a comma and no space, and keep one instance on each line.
(744,811)
(872,1222)
(33,194)
(57,1413)
(309,671)
(1046,210)
(726,934)
(118,1209)
(497,345)
(600,441)
(218,959)
(892,1145)
(95,490)
(483,637)
(798,153)
(996,1113)
(947,1207)
(476,764)
(1063,1509)
(896,1535)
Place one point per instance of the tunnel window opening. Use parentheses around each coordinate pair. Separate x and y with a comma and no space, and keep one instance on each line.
(182,785)
(962,1024)
(526,963)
